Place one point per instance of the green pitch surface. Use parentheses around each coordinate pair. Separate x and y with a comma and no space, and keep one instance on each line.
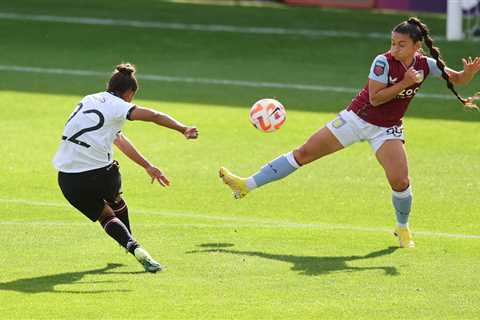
(317,245)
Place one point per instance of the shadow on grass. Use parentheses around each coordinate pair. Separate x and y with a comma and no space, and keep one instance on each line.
(48,283)
(312,266)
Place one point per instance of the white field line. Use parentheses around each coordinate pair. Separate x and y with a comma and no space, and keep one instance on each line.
(196,27)
(207,81)
(37,223)
(189,26)
(235,221)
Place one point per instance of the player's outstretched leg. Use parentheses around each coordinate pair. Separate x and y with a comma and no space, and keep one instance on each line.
(118,231)
(274,170)
(320,144)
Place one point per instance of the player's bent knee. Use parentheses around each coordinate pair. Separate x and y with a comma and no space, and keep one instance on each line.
(117,204)
(118,198)
(302,156)
(400,183)
(107,214)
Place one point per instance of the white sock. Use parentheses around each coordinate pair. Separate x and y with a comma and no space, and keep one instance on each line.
(251,183)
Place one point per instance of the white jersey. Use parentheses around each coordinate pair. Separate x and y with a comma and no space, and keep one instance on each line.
(90,131)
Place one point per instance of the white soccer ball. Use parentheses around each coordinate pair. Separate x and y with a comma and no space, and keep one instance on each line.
(267,115)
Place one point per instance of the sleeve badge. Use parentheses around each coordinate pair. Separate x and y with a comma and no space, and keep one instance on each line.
(379,68)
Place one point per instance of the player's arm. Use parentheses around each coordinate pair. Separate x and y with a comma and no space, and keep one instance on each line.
(133,154)
(470,68)
(164,120)
(379,93)
(378,80)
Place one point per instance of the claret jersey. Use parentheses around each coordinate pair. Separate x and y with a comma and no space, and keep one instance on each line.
(386,69)
(90,131)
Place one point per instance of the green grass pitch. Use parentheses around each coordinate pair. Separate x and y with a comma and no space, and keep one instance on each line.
(317,245)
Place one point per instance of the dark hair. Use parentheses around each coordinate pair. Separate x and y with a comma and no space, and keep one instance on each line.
(123,79)
(418,31)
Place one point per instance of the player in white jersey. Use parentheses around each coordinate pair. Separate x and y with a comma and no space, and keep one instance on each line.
(89,177)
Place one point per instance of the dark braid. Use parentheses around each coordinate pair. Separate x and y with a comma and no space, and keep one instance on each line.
(434,51)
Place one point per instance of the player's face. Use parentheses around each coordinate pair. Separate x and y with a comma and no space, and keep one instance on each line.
(402,47)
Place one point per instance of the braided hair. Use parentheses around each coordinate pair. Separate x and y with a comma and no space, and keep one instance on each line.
(418,31)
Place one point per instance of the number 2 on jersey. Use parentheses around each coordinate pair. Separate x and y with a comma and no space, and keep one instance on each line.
(73,138)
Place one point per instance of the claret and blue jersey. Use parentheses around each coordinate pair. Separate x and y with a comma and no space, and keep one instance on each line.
(386,69)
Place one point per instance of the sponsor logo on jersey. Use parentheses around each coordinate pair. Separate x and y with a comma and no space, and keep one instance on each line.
(392,80)
(407,93)
(379,68)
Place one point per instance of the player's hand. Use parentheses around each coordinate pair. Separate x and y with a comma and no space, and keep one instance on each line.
(156,174)
(411,77)
(191,133)
(471,67)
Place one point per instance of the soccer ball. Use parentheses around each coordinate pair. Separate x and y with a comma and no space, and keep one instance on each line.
(267,115)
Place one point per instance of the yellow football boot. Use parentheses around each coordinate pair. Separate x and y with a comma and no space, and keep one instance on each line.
(237,184)
(404,237)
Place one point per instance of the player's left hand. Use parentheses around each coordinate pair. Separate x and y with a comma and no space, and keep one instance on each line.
(191,133)
(157,175)
(471,66)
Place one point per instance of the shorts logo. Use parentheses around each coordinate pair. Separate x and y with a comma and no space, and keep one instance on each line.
(379,68)
(395,131)
(337,123)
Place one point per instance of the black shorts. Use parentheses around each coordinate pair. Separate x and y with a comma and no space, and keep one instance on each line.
(87,191)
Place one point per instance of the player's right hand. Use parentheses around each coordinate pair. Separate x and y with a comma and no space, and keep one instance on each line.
(156,174)
(410,77)
(191,132)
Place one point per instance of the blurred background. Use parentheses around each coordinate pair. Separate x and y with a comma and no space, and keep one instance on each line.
(464,13)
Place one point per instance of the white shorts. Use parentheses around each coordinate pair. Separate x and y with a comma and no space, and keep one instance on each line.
(350,128)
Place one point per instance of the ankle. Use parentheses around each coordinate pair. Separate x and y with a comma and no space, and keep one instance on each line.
(250,183)
(132,246)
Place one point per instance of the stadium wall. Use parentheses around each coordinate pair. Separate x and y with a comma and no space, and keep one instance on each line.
(407,5)
(334,3)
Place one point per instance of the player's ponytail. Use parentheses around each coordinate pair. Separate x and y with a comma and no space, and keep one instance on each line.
(126,68)
(435,53)
(123,79)
(418,31)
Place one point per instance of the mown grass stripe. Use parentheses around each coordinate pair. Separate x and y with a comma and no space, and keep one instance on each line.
(247,222)
(207,81)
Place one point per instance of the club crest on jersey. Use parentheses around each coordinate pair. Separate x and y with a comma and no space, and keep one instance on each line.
(338,122)
(379,68)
